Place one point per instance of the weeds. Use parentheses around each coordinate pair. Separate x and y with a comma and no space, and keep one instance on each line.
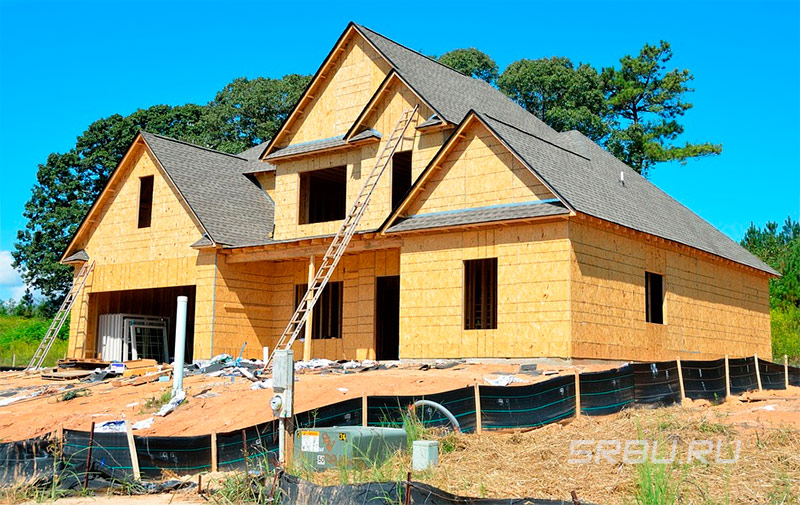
(155,403)
(655,484)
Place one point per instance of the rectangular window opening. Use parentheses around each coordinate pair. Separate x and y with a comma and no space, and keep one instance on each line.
(323,195)
(401,176)
(145,201)
(654,292)
(480,294)
(327,315)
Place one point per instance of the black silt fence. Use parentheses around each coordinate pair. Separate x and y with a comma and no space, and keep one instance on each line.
(794,376)
(344,413)
(656,383)
(253,447)
(181,455)
(704,379)
(389,410)
(742,375)
(606,392)
(26,460)
(773,376)
(527,406)
(111,456)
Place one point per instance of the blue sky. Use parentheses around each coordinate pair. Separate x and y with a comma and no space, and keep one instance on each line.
(66,64)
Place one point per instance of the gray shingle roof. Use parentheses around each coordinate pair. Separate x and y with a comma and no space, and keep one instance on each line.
(589,182)
(253,153)
(488,214)
(230,206)
(76,256)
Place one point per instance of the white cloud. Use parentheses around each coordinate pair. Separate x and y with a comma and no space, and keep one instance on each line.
(11,285)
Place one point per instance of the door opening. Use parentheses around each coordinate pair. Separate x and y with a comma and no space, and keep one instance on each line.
(387,318)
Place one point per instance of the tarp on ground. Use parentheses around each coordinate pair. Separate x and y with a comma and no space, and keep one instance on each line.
(704,379)
(26,460)
(656,383)
(389,410)
(773,376)
(253,448)
(527,406)
(606,392)
(298,491)
(742,375)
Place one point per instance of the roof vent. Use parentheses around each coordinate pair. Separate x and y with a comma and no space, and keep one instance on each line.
(622,179)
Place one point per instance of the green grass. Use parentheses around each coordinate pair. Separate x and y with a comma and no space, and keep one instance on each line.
(20,336)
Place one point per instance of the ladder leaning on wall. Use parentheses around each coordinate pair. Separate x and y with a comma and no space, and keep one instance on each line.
(60,317)
(342,238)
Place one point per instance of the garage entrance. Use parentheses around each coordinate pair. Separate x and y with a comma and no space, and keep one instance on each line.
(140,323)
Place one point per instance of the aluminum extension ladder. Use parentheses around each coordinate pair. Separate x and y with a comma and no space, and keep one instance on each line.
(60,317)
(342,238)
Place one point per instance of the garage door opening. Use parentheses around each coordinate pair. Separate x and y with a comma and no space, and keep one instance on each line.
(140,323)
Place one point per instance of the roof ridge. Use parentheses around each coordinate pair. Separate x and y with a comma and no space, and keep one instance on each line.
(534,135)
(194,145)
(419,54)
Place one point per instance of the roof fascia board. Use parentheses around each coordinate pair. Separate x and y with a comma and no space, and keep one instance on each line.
(444,151)
(384,86)
(349,29)
(323,150)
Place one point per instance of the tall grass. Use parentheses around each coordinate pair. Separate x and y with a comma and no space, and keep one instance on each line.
(20,336)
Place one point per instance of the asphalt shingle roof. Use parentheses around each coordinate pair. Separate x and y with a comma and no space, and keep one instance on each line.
(488,214)
(231,207)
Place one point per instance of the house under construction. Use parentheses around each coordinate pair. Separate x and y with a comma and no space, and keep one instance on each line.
(489,235)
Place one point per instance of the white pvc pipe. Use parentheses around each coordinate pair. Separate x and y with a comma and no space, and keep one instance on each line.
(180,344)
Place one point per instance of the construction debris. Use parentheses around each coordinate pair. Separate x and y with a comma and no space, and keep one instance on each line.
(503,380)
(177,398)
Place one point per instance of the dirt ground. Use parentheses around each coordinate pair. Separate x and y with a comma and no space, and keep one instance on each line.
(235,405)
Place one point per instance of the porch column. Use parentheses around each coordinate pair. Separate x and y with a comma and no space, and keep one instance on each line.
(310,318)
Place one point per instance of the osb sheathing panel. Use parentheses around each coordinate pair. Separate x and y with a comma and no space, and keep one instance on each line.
(359,162)
(711,309)
(533,262)
(255,301)
(479,171)
(339,96)
(127,257)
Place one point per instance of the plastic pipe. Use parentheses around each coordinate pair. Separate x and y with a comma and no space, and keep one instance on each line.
(450,417)
(180,344)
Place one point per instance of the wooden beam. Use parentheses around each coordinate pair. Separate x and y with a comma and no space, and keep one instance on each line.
(758,372)
(478,421)
(137,475)
(304,251)
(680,380)
(727,378)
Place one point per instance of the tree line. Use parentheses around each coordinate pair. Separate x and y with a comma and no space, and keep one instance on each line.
(632,109)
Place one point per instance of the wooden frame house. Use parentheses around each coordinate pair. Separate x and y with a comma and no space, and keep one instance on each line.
(490,235)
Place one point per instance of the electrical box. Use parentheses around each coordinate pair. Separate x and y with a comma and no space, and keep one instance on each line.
(346,446)
(283,383)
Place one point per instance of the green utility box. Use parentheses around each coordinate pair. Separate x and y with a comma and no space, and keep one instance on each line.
(346,446)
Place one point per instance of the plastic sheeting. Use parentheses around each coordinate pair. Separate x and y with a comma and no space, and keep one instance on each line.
(181,455)
(528,406)
(656,383)
(345,413)
(111,456)
(389,410)
(255,447)
(794,376)
(704,379)
(742,375)
(26,460)
(606,392)
(297,491)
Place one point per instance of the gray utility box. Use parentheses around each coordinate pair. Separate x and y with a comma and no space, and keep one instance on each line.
(346,446)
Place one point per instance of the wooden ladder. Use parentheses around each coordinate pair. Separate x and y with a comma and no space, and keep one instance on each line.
(60,317)
(342,238)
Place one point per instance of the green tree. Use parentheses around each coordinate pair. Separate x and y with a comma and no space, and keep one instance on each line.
(247,112)
(558,93)
(471,62)
(644,102)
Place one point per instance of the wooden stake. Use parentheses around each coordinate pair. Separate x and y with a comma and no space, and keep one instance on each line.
(309,321)
(244,445)
(478,420)
(214,452)
(577,394)
(88,457)
(758,372)
(60,436)
(364,416)
(680,380)
(132,449)
(786,370)
(727,378)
